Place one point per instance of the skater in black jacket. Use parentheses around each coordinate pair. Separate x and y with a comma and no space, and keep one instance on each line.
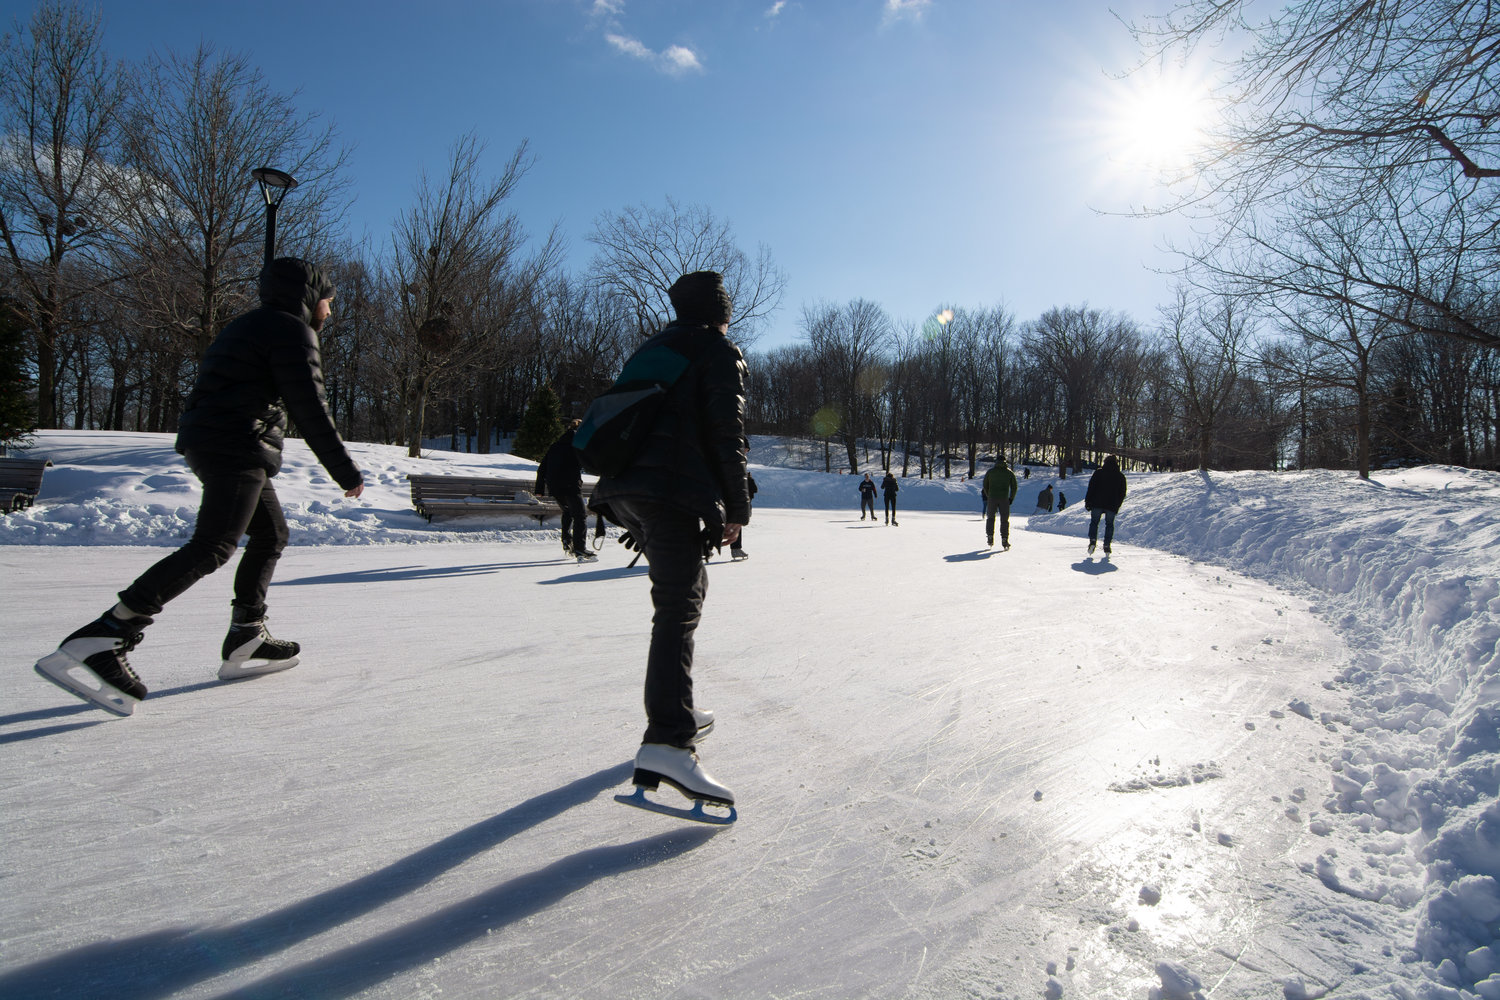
(685,493)
(262,366)
(867,497)
(559,474)
(889,488)
(1105,494)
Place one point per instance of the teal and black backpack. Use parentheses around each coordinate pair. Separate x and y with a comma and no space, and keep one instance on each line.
(617,422)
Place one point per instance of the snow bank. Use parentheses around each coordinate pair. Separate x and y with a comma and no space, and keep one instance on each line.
(1405,567)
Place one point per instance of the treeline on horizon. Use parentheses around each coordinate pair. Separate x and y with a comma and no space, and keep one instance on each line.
(133,232)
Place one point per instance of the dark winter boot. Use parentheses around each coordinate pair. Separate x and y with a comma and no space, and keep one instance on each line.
(91,663)
(249,649)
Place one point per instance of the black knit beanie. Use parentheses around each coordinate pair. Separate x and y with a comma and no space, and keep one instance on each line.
(700,298)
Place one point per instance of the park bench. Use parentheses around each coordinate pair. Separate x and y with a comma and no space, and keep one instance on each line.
(20,482)
(457,496)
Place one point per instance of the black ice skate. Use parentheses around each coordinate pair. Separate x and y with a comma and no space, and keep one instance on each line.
(736,553)
(91,664)
(249,650)
(680,768)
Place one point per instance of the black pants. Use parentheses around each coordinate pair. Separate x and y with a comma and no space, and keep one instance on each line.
(994,506)
(671,541)
(866,503)
(890,506)
(575,521)
(235,503)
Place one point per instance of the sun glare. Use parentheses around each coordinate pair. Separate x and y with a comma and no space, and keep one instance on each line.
(1157,123)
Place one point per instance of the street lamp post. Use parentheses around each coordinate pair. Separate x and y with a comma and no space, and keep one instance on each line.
(274,184)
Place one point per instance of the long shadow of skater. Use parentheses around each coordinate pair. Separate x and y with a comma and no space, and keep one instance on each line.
(97,715)
(612,573)
(349,971)
(401,574)
(969,556)
(1095,567)
(163,962)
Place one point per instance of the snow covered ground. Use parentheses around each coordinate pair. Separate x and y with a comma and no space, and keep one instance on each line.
(1253,755)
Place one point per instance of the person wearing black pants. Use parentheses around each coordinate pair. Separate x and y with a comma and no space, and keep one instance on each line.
(559,474)
(230,435)
(889,488)
(683,494)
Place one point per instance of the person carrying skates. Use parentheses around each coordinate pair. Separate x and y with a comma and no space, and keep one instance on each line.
(682,495)
(263,364)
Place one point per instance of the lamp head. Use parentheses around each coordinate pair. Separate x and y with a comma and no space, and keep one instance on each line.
(273,180)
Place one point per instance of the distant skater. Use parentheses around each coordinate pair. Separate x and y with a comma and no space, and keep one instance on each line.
(262,365)
(867,497)
(1105,494)
(889,488)
(559,474)
(1044,500)
(999,492)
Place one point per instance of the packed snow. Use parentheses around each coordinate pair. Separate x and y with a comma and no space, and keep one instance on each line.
(1255,753)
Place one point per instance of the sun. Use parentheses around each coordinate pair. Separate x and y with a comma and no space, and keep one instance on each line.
(1156,121)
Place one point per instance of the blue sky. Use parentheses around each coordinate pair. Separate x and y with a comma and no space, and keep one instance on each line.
(917,153)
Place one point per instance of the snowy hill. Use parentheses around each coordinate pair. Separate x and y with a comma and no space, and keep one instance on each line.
(963,773)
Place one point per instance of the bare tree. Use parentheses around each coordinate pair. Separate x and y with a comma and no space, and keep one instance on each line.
(197,127)
(1074,347)
(1384,111)
(457,260)
(1207,340)
(848,345)
(60,107)
(642,251)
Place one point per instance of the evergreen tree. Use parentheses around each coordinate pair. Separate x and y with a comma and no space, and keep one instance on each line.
(541,425)
(17,406)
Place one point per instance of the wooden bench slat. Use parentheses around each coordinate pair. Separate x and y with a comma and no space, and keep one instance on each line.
(434,495)
(20,481)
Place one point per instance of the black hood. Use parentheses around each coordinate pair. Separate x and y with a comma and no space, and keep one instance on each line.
(295,286)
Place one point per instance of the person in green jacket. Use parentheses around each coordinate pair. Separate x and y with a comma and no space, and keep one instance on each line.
(999,491)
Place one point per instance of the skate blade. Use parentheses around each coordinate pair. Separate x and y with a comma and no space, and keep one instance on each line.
(697,813)
(238,670)
(81,682)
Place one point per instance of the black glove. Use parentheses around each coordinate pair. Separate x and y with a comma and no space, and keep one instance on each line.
(711,542)
(628,540)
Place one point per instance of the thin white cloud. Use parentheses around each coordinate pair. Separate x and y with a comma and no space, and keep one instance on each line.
(906,10)
(608,8)
(630,46)
(679,59)
(675,61)
(776,9)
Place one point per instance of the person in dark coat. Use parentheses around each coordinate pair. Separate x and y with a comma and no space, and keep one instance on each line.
(1105,494)
(889,488)
(685,493)
(737,547)
(559,474)
(1044,500)
(866,497)
(265,364)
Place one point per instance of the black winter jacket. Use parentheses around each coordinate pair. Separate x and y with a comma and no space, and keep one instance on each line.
(695,456)
(234,417)
(1106,489)
(559,473)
